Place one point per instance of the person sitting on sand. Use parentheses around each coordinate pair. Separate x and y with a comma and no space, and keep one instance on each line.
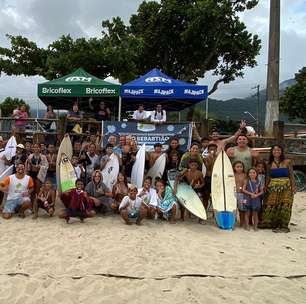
(131,207)
(166,201)
(45,199)
(148,196)
(77,203)
(18,187)
(120,190)
(98,192)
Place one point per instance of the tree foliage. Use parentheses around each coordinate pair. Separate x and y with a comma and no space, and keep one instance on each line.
(10,104)
(293,102)
(184,38)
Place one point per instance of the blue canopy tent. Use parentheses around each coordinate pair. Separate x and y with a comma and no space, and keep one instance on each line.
(155,88)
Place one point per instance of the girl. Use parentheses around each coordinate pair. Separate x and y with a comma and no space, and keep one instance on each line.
(240,178)
(45,199)
(254,191)
(120,190)
(166,201)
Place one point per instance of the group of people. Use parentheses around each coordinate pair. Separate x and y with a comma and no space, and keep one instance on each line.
(264,189)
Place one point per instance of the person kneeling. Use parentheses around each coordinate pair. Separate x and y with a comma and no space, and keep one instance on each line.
(45,199)
(77,203)
(131,207)
(18,187)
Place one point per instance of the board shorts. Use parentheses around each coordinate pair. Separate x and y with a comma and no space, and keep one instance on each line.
(133,214)
(12,205)
(76,213)
(242,202)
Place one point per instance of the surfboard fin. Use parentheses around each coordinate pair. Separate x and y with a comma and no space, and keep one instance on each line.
(225,220)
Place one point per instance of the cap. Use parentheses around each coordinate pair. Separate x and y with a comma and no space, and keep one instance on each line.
(21,146)
(1,138)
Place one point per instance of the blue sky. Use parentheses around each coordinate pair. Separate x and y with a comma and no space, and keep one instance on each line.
(44,21)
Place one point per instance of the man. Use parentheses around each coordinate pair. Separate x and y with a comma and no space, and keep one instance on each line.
(19,187)
(243,153)
(113,141)
(221,143)
(140,114)
(94,158)
(159,115)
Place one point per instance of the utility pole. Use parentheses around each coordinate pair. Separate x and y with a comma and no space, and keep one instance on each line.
(258,124)
(272,106)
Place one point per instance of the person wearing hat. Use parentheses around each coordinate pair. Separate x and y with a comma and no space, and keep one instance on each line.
(20,156)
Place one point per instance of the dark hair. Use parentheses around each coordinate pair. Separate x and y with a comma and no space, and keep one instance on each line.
(271,157)
(174,138)
(261,162)
(157,145)
(109,146)
(195,143)
(252,168)
(124,176)
(214,130)
(212,145)
(159,180)
(238,162)
(204,138)
(79,180)
(148,178)
(193,161)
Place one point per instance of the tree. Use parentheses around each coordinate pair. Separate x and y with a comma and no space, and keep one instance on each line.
(10,104)
(293,102)
(184,38)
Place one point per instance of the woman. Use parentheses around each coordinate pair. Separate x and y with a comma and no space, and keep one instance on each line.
(21,115)
(103,112)
(120,190)
(98,192)
(280,188)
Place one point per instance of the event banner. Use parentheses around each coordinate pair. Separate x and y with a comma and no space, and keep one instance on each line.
(148,134)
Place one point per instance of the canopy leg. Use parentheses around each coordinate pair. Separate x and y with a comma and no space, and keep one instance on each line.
(119,108)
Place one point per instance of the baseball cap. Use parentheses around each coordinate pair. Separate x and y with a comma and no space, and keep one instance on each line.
(21,146)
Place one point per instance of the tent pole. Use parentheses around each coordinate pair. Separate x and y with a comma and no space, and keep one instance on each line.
(119,108)
(179,116)
(206,109)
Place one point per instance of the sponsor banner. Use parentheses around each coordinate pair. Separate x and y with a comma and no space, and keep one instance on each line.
(148,134)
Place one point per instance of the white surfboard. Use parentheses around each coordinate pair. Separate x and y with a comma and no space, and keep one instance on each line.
(10,148)
(3,166)
(67,174)
(187,196)
(110,172)
(138,167)
(66,148)
(158,168)
(223,191)
(7,172)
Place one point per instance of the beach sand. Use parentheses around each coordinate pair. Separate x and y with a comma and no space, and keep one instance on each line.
(105,261)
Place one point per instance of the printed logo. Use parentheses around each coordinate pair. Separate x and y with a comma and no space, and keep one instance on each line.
(158,79)
(78,78)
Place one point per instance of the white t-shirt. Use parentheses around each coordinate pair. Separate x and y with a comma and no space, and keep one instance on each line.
(149,198)
(158,116)
(17,186)
(140,115)
(132,204)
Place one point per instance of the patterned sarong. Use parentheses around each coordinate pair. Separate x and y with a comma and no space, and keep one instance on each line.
(168,201)
(278,204)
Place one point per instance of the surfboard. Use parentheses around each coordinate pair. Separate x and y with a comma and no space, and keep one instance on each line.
(10,148)
(158,168)
(110,172)
(7,172)
(187,196)
(3,167)
(66,148)
(67,174)
(223,192)
(138,167)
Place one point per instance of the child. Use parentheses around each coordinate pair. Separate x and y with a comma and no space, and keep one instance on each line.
(240,178)
(261,170)
(148,196)
(131,207)
(166,201)
(77,203)
(78,169)
(153,156)
(194,177)
(254,191)
(119,191)
(45,199)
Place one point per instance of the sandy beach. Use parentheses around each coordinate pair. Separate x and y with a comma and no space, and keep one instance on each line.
(105,261)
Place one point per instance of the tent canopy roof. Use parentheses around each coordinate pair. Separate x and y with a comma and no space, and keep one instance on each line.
(77,85)
(156,87)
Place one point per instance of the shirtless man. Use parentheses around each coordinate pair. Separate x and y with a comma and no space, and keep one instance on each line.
(19,187)
(153,156)
(194,178)
(221,143)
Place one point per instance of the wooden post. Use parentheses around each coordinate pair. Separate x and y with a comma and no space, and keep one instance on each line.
(278,131)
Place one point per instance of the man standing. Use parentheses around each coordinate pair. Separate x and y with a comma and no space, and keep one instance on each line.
(19,187)
(243,153)
(140,114)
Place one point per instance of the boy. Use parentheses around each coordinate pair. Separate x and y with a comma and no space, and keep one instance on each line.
(131,207)
(153,156)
